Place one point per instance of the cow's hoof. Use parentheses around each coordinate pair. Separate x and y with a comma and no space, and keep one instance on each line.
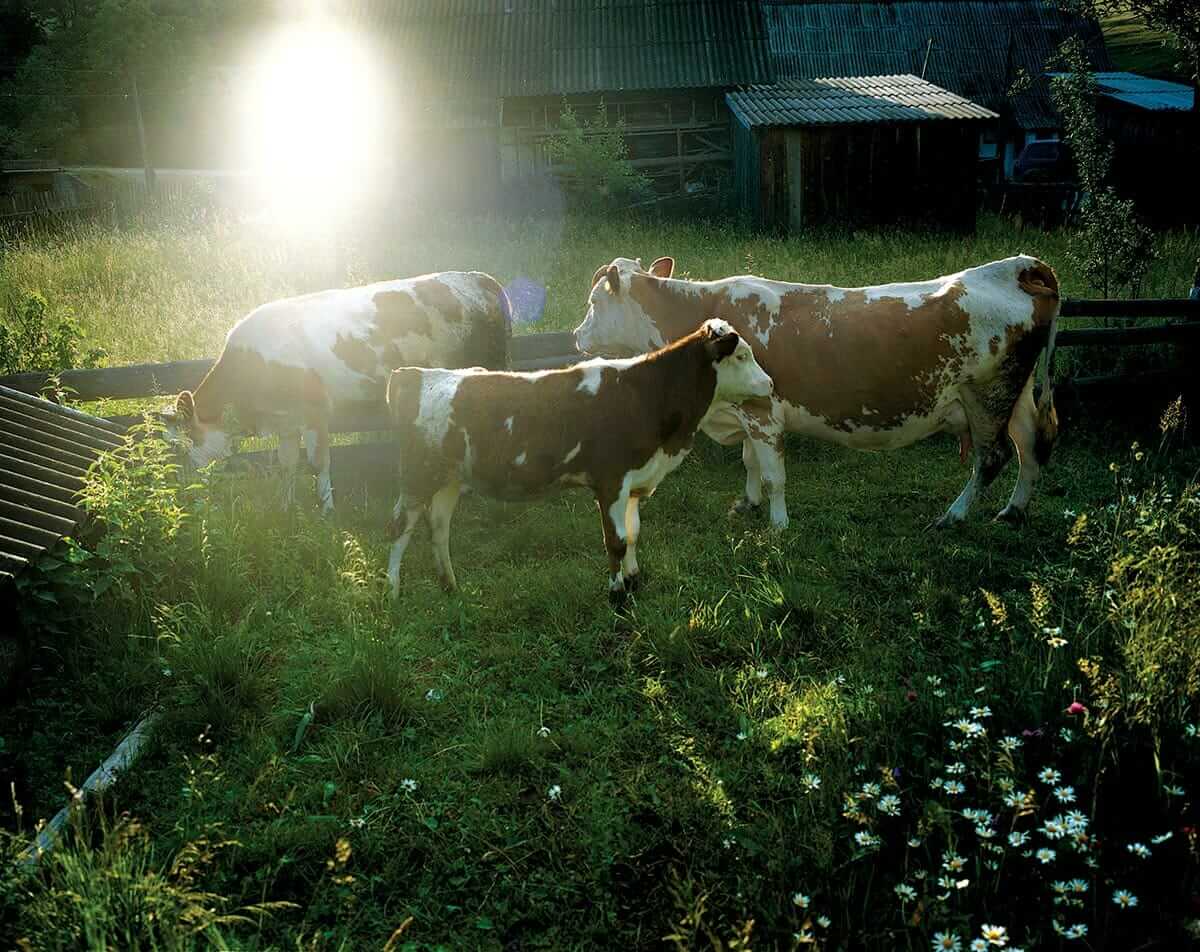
(1012,515)
(633,582)
(744,507)
(945,521)
(449,585)
(617,597)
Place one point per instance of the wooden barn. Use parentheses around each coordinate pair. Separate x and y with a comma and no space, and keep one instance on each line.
(856,150)
(979,49)
(485,81)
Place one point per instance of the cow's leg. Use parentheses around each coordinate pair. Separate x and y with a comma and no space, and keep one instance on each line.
(753,498)
(404,521)
(288,455)
(319,457)
(614,505)
(725,426)
(441,509)
(1022,430)
(633,525)
(992,451)
(763,424)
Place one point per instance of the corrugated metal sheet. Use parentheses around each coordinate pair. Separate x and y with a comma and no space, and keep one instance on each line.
(474,51)
(979,46)
(1156,95)
(843,100)
(45,450)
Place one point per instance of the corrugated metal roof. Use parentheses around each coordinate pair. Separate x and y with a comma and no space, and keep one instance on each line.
(478,50)
(45,450)
(1157,95)
(979,46)
(842,100)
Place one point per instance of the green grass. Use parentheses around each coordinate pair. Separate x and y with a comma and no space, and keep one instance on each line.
(382,768)
(1136,48)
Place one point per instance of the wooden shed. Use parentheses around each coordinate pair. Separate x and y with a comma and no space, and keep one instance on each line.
(856,150)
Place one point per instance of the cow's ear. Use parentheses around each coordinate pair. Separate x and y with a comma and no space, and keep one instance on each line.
(614,279)
(185,406)
(720,345)
(663,267)
(597,276)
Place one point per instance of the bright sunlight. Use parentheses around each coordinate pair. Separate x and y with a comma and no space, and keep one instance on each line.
(313,122)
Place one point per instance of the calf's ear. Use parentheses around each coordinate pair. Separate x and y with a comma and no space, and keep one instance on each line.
(663,267)
(185,406)
(597,276)
(614,279)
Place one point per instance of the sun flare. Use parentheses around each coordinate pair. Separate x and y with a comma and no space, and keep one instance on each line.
(314,117)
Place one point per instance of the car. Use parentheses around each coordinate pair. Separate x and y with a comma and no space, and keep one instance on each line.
(1044,160)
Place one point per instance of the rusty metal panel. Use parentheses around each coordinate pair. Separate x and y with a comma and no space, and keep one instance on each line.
(45,450)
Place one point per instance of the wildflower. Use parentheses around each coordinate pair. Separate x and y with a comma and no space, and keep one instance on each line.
(1010,744)
(920,874)
(955,769)
(984,832)
(963,724)
(946,942)
(1060,886)
(408,785)
(1077,822)
(810,782)
(800,901)
(952,862)
(761,673)
(727,843)
(953,787)
(1078,885)
(1049,775)
(933,680)
(1162,837)
(433,695)
(1066,734)
(867,840)
(905,892)
(824,922)
(1076,708)
(937,783)
(357,822)
(1068,513)
(742,735)
(889,804)
(976,729)
(914,841)
(979,945)
(1014,800)
(1056,642)
(869,791)
(543,731)
(976,816)
(1077,931)
(1045,856)
(1017,838)
(1174,791)
(1124,898)
(938,692)
(1140,850)
(979,713)
(1005,784)
(995,935)
(554,793)
(1064,794)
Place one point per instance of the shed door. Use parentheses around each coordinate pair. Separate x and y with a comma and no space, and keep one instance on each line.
(795,179)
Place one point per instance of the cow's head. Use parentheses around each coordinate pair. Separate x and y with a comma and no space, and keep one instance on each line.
(206,442)
(739,377)
(616,324)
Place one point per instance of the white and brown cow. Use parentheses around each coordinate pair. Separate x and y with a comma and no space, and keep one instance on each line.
(616,427)
(871,368)
(286,365)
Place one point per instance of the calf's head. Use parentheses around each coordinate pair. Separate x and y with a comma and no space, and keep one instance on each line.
(739,377)
(616,325)
(207,442)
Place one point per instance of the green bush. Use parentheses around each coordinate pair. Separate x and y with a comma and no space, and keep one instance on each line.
(599,160)
(30,340)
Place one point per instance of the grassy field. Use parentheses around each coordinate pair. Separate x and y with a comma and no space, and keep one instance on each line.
(764,751)
(1137,49)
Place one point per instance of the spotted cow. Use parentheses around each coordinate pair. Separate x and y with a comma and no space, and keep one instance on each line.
(288,364)
(616,427)
(871,368)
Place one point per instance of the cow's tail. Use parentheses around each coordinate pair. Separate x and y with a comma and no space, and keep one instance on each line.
(1041,283)
(497,355)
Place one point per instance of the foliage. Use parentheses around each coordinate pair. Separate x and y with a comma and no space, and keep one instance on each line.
(1177,19)
(30,341)
(1112,247)
(597,155)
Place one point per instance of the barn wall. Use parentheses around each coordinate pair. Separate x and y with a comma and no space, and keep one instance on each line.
(745,171)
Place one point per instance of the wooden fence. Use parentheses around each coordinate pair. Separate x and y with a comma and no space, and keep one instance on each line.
(543,351)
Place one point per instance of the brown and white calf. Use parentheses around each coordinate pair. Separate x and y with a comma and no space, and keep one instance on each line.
(288,364)
(616,427)
(871,368)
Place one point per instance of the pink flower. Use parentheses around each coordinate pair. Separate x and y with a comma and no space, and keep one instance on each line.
(1076,708)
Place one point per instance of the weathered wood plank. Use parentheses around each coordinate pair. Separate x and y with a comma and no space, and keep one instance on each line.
(1125,336)
(1137,308)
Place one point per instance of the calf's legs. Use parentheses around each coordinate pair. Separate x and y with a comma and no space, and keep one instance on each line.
(441,509)
(614,509)
(288,456)
(633,525)
(402,530)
